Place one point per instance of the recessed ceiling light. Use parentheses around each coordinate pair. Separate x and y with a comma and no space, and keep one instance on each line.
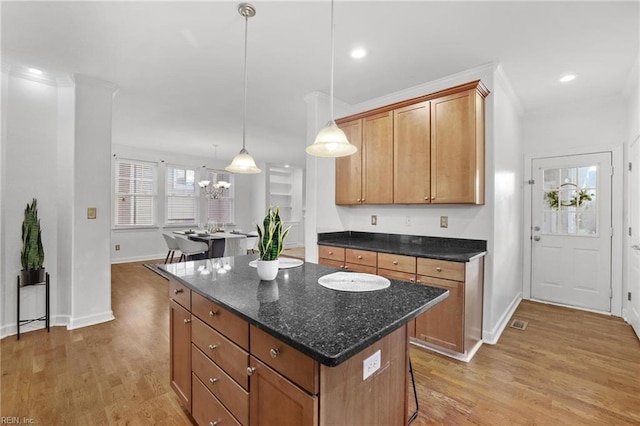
(358,53)
(567,78)
(35,71)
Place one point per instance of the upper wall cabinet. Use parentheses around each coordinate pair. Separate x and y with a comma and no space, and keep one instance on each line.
(428,150)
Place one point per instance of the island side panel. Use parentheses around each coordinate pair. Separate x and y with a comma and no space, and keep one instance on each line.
(345,398)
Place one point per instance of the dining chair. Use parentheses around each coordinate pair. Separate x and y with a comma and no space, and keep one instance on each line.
(172,245)
(251,243)
(189,248)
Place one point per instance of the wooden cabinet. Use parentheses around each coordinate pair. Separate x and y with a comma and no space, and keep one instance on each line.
(349,168)
(367,176)
(361,261)
(424,150)
(412,154)
(457,148)
(454,324)
(180,352)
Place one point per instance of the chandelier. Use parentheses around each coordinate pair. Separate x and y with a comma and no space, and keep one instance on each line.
(215,190)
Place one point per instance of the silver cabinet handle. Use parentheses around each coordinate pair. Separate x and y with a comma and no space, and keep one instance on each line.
(177,291)
(187,320)
(439,269)
(536,238)
(212,380)
(359,257)
(274,352)
(215,422)
(212,314)
(212,347)
(250,370)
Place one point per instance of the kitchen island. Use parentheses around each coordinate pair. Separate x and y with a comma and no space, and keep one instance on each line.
(289,351)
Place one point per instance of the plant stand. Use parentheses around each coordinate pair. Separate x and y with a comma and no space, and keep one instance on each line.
(45,317)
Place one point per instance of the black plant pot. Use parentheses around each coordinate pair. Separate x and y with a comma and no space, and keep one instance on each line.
(31,276)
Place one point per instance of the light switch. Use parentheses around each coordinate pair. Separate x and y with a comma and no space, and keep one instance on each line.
(444,221)
(92,212)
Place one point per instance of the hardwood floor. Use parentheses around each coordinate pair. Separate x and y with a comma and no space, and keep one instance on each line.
(568,367)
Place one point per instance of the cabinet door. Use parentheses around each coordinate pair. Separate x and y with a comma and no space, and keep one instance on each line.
(443,325)
(274,400)
(349,168)
(180,347)
(457,149)
(412,154)
(377,160)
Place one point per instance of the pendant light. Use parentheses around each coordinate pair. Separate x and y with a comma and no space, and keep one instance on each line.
(243,162)
(331,140)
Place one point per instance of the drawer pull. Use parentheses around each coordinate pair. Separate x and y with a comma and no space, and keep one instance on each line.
(330,253)
(358,200)
(395,262)
(187,320)
(177,291)
(439,269)
(250,370)
(212,314)
(345,267)
(426,198)
(274,352)
(212,380)
(363,200)
(215,422)
(411,280)
(359,257)
(418,281)
(213,347)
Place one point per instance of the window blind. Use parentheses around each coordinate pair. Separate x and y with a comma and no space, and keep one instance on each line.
(135,197)
(181,196)
(220,210)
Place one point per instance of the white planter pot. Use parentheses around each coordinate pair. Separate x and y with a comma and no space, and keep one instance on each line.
(267,269)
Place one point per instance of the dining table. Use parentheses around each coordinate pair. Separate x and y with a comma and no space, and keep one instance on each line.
(221,244)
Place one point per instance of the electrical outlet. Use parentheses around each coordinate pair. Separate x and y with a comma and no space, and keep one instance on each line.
(117,247)
(371,365)
(407,220)
(374,219)
(444,221)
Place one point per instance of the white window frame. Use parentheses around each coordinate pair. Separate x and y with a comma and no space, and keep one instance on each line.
(152,194)
(194,195)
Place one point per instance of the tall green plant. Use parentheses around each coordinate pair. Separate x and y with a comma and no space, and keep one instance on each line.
(32,254)
(271,236)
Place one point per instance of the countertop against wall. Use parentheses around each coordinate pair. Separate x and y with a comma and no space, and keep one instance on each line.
(452,249)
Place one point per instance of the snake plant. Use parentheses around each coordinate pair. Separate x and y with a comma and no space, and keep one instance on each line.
(32,253)
(271,236)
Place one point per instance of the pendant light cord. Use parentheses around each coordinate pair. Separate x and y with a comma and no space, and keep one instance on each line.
(332,66)
(244,108)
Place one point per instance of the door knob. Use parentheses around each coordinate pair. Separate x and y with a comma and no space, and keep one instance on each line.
(635,247)
(536,238)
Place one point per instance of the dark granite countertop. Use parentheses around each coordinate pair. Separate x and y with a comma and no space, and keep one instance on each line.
(329,326)
(453,249)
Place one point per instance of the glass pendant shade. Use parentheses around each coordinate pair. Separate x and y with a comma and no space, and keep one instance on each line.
(243,163)
(331,142)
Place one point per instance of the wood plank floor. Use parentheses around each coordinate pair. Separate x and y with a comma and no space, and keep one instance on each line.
(568,367)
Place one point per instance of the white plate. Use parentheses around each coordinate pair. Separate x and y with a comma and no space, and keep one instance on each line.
(284,263)
(353,281)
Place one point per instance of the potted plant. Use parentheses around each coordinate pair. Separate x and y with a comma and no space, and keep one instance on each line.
(270,244)
(32,253)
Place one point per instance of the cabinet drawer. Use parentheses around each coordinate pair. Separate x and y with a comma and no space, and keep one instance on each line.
(229,356)
(180,294)
(441,269)
(396,262)
(232,326)
(232,396)
(361,257)
(396,275)
(332,263)
(354,267)
(333,253)
(207,410)
(289,362)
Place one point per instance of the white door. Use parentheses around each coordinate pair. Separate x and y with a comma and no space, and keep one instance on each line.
(571,230)
(634,221)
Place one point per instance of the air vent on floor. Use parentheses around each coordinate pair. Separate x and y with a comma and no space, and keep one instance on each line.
(519,324)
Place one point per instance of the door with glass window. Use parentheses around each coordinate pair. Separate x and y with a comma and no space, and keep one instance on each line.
(571,230)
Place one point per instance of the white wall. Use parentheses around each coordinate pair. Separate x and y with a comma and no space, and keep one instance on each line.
(595,125)
(472,222)
(29,163)
(56,147)
(146,244)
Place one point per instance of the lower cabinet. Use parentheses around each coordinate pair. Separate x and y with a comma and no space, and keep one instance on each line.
(180,349)
(442,325)
(207,410)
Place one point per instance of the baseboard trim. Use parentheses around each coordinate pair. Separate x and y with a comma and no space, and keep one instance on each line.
(90,320)
(634,320)
(55,321)
(465,357)
(140,258)
(492,337)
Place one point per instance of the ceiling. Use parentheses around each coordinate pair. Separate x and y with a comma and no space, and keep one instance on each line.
(178,65)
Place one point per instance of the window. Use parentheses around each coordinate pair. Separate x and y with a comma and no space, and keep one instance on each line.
(181,196)
(220,210)
(135,197)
